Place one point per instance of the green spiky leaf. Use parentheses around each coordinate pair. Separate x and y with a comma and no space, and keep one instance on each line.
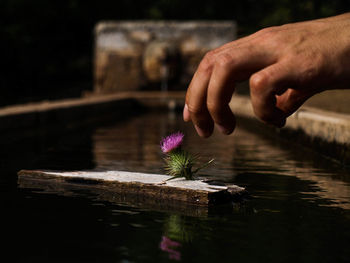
(179,163)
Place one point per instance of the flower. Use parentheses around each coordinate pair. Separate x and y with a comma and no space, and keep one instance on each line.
(178,162)
(171,142)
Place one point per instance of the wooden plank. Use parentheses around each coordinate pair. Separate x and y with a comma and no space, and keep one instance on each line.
(135,186)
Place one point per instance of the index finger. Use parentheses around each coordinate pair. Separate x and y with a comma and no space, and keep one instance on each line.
(196,98)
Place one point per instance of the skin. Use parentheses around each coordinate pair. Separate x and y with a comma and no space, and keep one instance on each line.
(285,66)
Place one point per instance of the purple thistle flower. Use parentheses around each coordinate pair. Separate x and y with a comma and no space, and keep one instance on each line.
(171,142)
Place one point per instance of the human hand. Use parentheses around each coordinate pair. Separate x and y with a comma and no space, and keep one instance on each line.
(285,66)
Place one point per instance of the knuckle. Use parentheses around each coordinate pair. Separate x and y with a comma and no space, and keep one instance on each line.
(195,109)
(273,37)
(259,80)
(207,62)
(267,32)
(210,55)
(214,107)
(224,61)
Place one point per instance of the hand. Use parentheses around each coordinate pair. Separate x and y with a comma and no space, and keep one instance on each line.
(285,66)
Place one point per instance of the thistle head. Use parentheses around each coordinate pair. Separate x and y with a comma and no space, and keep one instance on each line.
(179,163)
(171,142)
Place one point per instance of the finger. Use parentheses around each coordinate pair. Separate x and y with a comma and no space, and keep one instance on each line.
(265,86)
(229,69)
(197,110)
(220,90)
(196,99)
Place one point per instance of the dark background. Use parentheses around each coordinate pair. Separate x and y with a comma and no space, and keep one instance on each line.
(47,45)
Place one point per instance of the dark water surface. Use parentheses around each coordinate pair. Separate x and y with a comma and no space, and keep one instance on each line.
(299,209)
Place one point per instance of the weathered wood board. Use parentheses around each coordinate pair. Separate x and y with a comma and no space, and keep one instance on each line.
(123,185)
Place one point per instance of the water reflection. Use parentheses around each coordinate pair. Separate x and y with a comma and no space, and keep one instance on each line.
(298,211)
(134,146)
(170,246)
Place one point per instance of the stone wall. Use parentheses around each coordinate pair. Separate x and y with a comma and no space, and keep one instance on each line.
(142,55)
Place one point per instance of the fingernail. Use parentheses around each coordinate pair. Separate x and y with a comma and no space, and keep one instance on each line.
(201,132)
(186,114)
(223,129)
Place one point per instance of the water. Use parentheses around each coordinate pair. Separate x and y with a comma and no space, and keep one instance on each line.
(299,209)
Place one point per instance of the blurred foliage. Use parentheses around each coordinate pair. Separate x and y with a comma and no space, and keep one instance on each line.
(47,45)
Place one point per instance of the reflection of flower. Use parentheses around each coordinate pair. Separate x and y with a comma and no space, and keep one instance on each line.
(171,142)
(169,246)
(179,163)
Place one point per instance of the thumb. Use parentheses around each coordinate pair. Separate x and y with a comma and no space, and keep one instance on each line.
(292,99)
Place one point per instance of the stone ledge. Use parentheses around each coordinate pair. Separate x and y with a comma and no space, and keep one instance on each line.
(329,126)
(325,131)
(89,109)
